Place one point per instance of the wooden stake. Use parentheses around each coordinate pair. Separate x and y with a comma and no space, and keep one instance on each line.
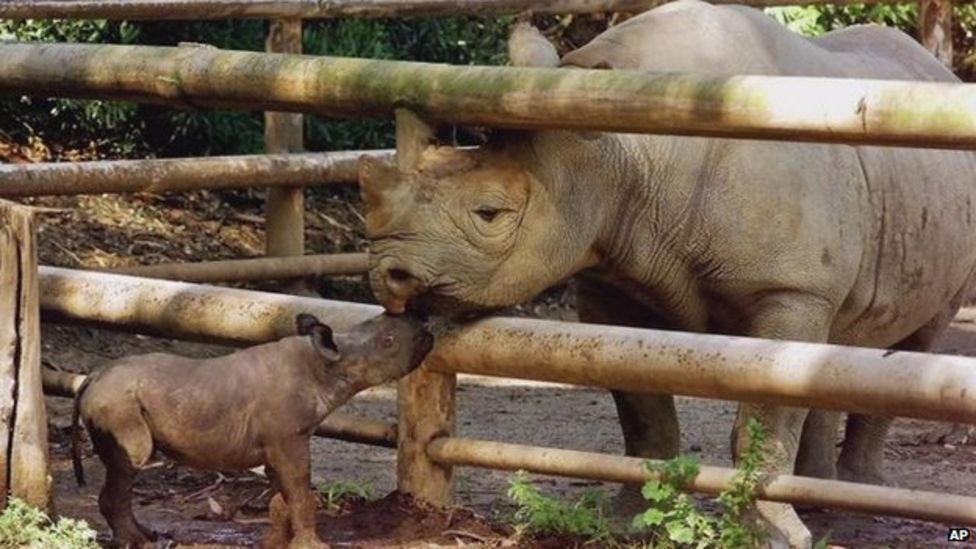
(285,207)
(935,27)
(24,470)
(425,398)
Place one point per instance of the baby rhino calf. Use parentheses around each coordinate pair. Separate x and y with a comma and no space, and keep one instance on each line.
(257,406)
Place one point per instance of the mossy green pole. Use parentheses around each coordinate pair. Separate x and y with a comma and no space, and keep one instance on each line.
(922,114)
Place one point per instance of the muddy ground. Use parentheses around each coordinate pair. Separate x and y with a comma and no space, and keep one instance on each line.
(197,508)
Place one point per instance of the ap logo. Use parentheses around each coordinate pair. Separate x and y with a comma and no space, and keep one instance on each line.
(959,534)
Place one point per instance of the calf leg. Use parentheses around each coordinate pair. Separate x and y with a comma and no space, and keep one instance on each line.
(115,499)
(290,459)
(280,532)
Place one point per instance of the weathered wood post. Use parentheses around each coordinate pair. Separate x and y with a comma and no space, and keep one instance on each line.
(425,399)
(285,206)
(24,471)
(935,28)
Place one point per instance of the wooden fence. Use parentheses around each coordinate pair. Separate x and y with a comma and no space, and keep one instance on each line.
(848,111)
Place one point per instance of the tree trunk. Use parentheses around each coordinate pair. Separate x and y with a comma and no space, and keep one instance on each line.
(24,470)
(935,27)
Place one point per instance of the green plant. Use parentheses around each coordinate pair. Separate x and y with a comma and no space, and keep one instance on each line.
(339,494)
(537,513)
(677,522)
(23,526)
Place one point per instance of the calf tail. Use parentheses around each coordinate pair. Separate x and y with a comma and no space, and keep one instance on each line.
(76,433)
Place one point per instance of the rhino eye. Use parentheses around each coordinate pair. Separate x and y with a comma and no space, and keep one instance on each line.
(387,341)
(488,214)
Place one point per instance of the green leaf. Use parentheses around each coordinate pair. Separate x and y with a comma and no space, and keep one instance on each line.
(656,491)
(680,532)
(650,518)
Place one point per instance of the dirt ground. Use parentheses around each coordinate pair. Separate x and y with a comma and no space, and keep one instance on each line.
(196,508)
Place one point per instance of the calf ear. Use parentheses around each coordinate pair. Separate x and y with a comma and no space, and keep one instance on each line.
(304,323)
(324,343)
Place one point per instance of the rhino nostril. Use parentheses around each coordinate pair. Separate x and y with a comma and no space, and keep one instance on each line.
(399,275)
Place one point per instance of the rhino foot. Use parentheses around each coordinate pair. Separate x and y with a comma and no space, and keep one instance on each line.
(862,474)
(309,541)
(785,529)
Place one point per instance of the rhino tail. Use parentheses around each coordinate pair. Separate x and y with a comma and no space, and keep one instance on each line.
(76,432)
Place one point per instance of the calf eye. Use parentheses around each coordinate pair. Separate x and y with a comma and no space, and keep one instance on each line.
(388,341)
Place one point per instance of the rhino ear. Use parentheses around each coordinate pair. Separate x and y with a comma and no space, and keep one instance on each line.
(304,323)
(527,47)
(324,343)
(376,178)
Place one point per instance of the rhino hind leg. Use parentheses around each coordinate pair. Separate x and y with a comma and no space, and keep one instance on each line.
(115,499)
(817,454)
(862,454)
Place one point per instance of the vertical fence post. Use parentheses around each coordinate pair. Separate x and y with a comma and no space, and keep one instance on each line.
(285,206)
(24,469)
(935,28)
(425,399)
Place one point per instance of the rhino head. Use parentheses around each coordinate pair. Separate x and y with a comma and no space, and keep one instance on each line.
(466,230)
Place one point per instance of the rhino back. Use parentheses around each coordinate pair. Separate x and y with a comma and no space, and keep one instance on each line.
(883,232)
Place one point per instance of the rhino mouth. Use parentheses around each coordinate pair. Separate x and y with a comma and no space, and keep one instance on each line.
(433,303)
(423,346)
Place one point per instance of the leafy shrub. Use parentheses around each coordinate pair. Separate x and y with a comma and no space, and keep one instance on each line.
(23,526)
(339,494)
(537,513)
(677,522)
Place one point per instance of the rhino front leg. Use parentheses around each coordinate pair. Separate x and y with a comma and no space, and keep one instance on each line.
(290,460)
(791,316)
(649,421)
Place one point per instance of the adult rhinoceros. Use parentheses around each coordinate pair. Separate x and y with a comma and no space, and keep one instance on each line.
(866,246)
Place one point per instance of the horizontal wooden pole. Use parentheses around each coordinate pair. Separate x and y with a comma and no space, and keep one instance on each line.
(182,310)
(262,268)
(873,381)
(832,377)
(316,9)
(881,112)
(862,498)
(337,425)
(352,428)
(181,174)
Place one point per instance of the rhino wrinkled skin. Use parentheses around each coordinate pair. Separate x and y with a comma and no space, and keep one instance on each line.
(867,246)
